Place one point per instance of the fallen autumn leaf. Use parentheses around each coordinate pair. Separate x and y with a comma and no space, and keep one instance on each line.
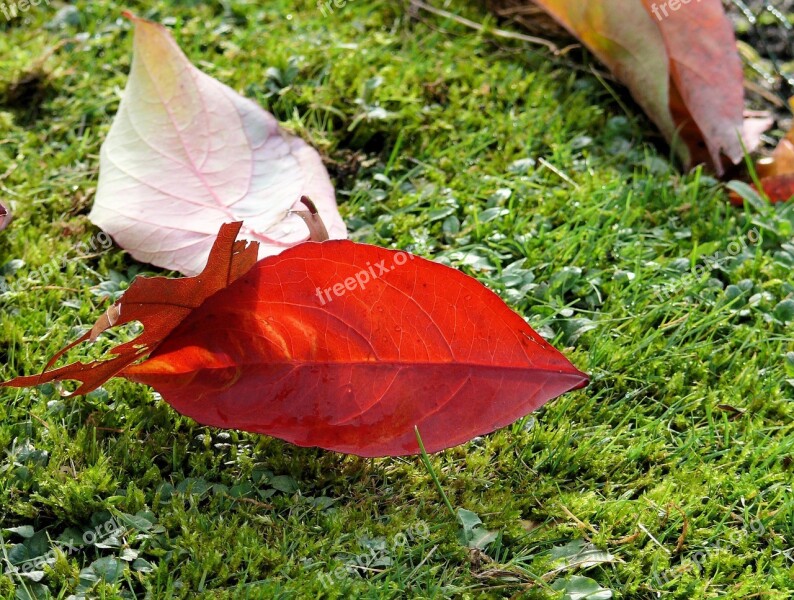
(681,66)
(187,153)
(339,345)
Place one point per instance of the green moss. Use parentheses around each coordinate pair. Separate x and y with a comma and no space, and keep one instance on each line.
(676,459)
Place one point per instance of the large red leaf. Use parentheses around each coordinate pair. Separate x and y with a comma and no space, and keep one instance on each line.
(345,346)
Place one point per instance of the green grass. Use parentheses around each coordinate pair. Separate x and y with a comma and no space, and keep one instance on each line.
(522,170)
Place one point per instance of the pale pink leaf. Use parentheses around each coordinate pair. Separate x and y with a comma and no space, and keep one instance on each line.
(186,153)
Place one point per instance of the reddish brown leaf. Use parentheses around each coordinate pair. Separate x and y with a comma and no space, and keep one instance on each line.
(776,172)
(778,188)
(160,304)
(680,62)
(707,83)
(344,346)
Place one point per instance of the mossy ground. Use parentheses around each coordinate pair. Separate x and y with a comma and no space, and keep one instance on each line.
(525,171)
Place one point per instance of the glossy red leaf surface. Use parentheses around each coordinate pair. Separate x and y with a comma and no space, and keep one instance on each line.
(348,346)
